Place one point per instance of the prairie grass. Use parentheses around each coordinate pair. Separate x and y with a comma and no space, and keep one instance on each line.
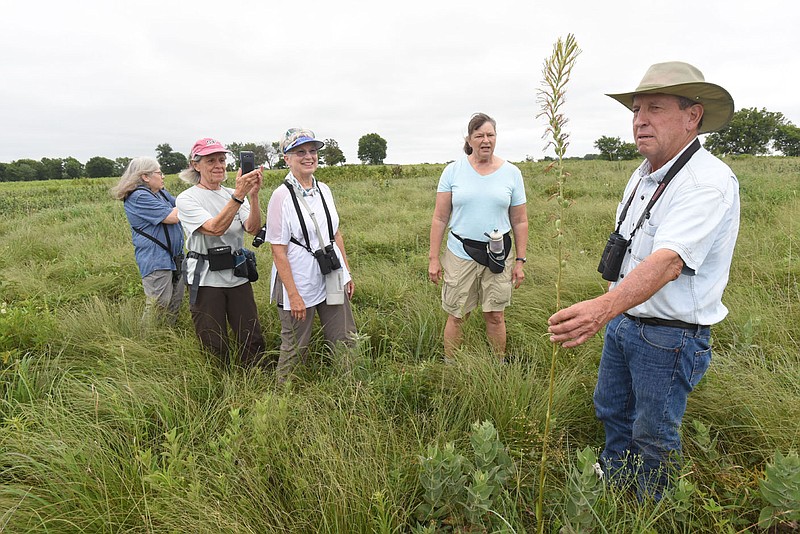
(111,425)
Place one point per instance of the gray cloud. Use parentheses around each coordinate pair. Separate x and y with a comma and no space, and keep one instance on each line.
(117,79)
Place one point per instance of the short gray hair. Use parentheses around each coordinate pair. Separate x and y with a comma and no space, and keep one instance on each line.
(684,102)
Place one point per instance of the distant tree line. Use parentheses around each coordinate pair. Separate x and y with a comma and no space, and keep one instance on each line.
(751,131)
(269,154)
(371,151)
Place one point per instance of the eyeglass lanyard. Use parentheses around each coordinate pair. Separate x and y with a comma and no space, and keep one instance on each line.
(676,167)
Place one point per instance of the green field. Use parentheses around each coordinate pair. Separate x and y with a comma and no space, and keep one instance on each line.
(110,425)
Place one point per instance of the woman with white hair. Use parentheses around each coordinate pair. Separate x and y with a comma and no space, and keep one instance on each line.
(214,218)
(156,234)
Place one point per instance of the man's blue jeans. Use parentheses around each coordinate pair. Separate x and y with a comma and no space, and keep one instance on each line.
(645,376)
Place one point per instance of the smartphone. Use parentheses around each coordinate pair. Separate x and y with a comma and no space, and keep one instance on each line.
(247,161)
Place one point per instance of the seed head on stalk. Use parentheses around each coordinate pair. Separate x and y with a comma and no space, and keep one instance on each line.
(557,70)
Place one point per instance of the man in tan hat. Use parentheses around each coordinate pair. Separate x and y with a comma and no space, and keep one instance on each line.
(668,263)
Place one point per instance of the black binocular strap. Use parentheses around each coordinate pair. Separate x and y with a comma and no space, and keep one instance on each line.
(676,167)
(627,205)
(302,219)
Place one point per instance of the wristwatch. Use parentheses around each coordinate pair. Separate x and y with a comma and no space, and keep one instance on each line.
(237,200)
(523,260)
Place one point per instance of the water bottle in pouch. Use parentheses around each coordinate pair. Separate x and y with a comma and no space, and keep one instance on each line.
(334,287)
(495,251)
(495,242)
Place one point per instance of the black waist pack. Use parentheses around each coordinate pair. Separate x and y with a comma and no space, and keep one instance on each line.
(479,251)
(220,258)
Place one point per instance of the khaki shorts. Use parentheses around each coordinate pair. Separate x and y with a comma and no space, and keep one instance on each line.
(467,283)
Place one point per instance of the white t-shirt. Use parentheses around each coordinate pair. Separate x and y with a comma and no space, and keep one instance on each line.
(196,206)
(283,224)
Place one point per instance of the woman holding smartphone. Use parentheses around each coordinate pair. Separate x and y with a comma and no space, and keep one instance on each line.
(214,219)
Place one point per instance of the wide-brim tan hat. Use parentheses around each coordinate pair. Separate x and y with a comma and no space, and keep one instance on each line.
(681,79)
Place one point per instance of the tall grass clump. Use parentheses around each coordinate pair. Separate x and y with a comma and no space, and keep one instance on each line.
(557,71)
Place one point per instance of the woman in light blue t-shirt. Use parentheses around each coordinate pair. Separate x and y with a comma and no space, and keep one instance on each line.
(478,196)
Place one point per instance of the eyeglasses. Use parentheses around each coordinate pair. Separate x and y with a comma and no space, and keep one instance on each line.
(303,153)
(156,172)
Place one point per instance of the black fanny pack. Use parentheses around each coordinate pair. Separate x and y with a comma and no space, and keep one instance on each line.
(220,258)
(479,251)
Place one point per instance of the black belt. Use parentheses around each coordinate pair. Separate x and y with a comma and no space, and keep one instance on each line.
(655,321)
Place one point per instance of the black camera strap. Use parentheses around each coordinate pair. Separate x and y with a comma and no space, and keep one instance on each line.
(673,170)
(303,227)
(167,247)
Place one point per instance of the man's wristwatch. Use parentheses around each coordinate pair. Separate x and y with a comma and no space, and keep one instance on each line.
(523,260)
(237,200)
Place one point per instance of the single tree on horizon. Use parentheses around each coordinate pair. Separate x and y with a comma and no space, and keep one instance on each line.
(372,149)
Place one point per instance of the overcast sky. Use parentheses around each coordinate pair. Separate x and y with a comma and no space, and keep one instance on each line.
(112,78)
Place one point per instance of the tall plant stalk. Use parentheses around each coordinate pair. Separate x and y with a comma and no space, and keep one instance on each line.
(556,72)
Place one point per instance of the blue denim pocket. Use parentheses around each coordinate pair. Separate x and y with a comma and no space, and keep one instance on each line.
(661,337)
(702,361)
